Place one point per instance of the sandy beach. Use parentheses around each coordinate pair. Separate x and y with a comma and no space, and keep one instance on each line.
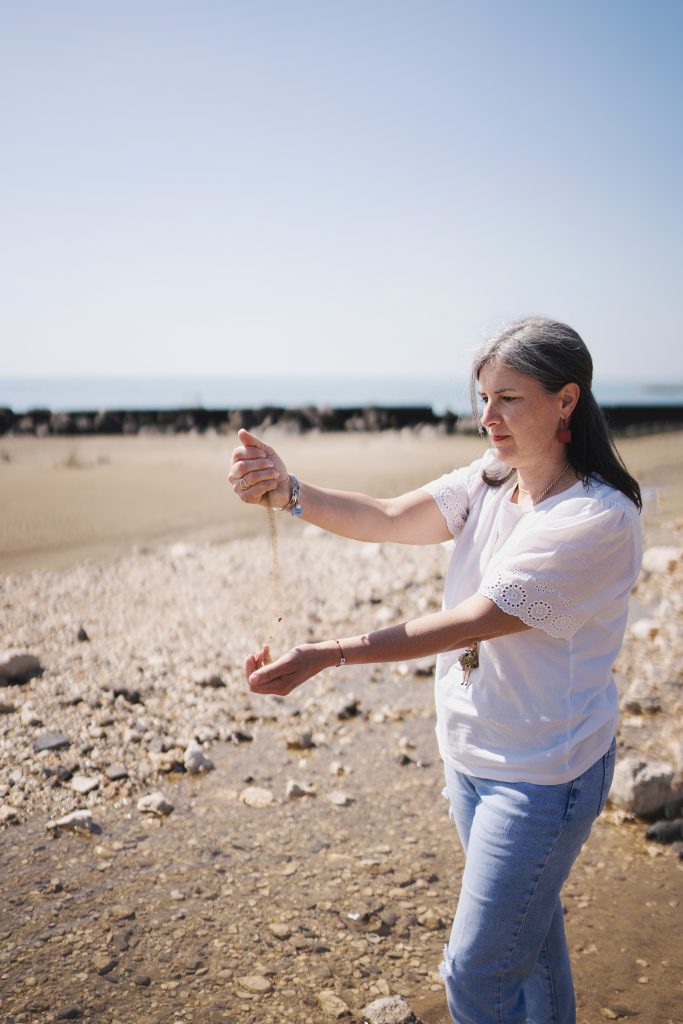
(67,499)
(309,868)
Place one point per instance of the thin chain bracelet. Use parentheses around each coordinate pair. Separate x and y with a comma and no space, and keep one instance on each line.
(342,659)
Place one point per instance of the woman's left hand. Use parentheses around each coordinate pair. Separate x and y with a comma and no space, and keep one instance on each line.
(291,670)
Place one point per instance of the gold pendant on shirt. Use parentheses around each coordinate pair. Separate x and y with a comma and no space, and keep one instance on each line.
(468,661)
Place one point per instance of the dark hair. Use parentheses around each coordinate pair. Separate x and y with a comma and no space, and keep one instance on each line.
(554,355)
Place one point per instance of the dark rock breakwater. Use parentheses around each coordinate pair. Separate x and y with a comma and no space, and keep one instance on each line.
(298,420)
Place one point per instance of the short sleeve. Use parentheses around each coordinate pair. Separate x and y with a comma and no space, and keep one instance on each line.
(566,565)
(451,492)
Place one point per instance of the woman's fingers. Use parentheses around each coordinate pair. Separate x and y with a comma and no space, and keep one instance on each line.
(256,470)
(254,662)
(250,440)
(267,678)
(241,465)
(250,476)
(289,671)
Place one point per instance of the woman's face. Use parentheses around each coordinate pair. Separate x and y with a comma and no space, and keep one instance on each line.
(521,418)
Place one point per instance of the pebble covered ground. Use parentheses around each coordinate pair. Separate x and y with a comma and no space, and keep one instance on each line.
(314,870)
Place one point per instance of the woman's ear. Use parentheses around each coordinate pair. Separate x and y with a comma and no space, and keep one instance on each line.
(569,396)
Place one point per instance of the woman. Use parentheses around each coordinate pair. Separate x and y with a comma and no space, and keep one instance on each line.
(547,549)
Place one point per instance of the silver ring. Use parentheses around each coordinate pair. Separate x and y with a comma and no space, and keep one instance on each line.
(243,485)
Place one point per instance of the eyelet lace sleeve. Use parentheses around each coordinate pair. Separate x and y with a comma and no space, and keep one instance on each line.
(531,600)
(451,495)
(568,567)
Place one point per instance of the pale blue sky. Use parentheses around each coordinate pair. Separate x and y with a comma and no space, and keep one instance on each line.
(361,186)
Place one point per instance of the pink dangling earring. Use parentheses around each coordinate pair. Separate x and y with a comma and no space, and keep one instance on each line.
(564,435)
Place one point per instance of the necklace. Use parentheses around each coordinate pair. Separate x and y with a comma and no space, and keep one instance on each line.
(470,658)
(546,490)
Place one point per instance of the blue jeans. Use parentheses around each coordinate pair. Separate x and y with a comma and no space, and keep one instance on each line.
(507,960)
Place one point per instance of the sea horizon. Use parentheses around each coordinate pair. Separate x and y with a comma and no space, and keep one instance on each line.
(95,393)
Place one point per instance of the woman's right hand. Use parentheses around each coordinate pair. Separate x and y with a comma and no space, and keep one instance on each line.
(256,471)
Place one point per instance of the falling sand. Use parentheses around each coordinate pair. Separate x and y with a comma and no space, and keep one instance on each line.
(277,601)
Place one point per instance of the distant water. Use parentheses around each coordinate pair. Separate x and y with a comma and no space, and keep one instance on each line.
(93,393)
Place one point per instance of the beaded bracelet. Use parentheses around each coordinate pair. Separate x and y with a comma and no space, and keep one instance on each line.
(342,659)
(294,504)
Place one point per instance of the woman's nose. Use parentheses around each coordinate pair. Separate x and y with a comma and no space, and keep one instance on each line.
(490,414)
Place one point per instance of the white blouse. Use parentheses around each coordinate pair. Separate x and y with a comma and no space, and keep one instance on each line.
(542,705)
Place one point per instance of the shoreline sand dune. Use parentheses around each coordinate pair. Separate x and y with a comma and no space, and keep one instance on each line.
(314,869)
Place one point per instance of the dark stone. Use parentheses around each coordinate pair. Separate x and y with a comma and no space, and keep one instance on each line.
(238,736)
(51,741)
(424,669)
(19,668)
(60,772)
(82,635)
(665,831)
(142,980)
(350,709)
(405,880)
(71,701)
(132,696)
(212,683)
(69,1013)
(115,772)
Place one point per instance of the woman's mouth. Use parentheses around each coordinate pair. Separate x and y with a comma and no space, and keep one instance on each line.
(499,437)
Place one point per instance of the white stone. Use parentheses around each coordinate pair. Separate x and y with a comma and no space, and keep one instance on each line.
(642,788)
(181,550)
(75,821)
(639,698)
(300,740)
(155,803)
(29,716)
(389,1010)
(196,761)
(339,798)
(256,983)
(256,796)
(84,784)
(676,750)
(431,920)
(8,816)
(661,559)
(331,1005)
(645,629)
